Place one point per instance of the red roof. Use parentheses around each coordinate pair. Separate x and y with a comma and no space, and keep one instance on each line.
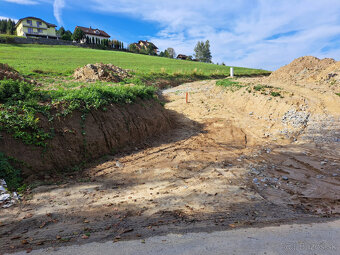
(93,31)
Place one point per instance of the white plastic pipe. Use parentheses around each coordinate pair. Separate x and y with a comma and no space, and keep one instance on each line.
(232,72)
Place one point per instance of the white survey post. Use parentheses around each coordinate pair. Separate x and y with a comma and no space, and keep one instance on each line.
(231,71)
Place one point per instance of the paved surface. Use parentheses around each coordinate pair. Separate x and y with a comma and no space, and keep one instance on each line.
(317,238)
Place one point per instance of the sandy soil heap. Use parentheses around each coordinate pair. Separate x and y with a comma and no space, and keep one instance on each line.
(101,72)
(308,69)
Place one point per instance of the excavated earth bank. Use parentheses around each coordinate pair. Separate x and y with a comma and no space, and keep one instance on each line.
(74,142)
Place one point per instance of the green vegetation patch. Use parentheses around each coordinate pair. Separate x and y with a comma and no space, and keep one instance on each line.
(338,94)
(266,90)
(261,87)
(11,175)
(275,94)
(230,84)
(21,105)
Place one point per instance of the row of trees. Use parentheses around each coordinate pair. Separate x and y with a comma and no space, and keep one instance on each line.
(7,26)
(65,35)
(168,53)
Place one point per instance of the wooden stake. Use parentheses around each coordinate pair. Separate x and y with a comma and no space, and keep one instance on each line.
(187,97)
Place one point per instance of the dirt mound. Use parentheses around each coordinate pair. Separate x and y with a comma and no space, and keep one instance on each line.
(330,75)
(303,69)
(101,72)
(7,72)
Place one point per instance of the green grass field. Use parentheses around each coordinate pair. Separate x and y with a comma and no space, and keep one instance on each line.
(62,60)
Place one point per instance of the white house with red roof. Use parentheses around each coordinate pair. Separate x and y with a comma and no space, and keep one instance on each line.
(93,34)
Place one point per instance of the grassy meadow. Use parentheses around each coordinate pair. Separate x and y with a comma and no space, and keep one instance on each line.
(62,60)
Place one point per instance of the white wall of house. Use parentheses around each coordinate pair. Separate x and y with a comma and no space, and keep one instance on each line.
(93,36)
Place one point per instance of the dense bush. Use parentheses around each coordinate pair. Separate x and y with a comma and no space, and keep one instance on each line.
(14,89)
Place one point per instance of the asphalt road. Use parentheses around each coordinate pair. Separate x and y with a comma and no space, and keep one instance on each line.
(316,238)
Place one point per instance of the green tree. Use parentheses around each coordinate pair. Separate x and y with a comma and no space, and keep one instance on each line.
(202,52)
(150,50)
(7,26)
(133,48)
(61,31)
(67,36)
(10,27)
(3,26)
(78,35)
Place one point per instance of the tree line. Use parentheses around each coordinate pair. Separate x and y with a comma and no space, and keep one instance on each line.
(7,26)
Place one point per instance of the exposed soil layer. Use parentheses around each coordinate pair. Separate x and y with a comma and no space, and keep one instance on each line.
(234,159)
(79,138)
(101,72)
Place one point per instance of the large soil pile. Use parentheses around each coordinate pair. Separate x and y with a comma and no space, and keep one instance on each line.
(101,72)
(308,70)
(104,132)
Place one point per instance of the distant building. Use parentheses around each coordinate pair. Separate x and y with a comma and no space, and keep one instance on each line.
(94,34)
(145,44)
(182,56)
(35,27)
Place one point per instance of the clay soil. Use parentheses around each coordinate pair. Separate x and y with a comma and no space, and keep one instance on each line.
(234,159)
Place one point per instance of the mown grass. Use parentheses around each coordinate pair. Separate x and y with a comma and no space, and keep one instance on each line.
(62,60)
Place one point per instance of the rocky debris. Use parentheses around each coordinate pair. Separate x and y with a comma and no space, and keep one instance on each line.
(322,129)
(295,118)
(7,72)
(331,75)
(7,199)
(101,72)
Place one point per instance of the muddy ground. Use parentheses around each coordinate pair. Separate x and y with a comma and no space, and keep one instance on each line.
(235,159)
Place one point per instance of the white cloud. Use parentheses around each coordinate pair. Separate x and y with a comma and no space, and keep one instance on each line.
(25,2)
(2,17)
(58,5)
(239,30)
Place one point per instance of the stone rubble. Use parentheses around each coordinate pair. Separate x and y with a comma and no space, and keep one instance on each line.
(7,199)
(101,72)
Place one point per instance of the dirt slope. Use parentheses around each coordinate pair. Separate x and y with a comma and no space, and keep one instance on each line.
(103,132)
(235,159)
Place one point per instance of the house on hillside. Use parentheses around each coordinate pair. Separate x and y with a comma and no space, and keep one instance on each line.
(145,44)
(182,56)
(94,35)
(35,27)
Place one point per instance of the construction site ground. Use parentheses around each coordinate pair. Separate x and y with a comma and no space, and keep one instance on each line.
(235,159)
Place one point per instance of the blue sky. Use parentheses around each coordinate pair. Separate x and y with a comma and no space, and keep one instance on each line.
(252,33)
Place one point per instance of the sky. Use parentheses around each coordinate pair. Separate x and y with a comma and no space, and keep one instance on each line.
(262,34)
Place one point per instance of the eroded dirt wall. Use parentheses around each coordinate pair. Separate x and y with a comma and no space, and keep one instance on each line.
(76,141)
